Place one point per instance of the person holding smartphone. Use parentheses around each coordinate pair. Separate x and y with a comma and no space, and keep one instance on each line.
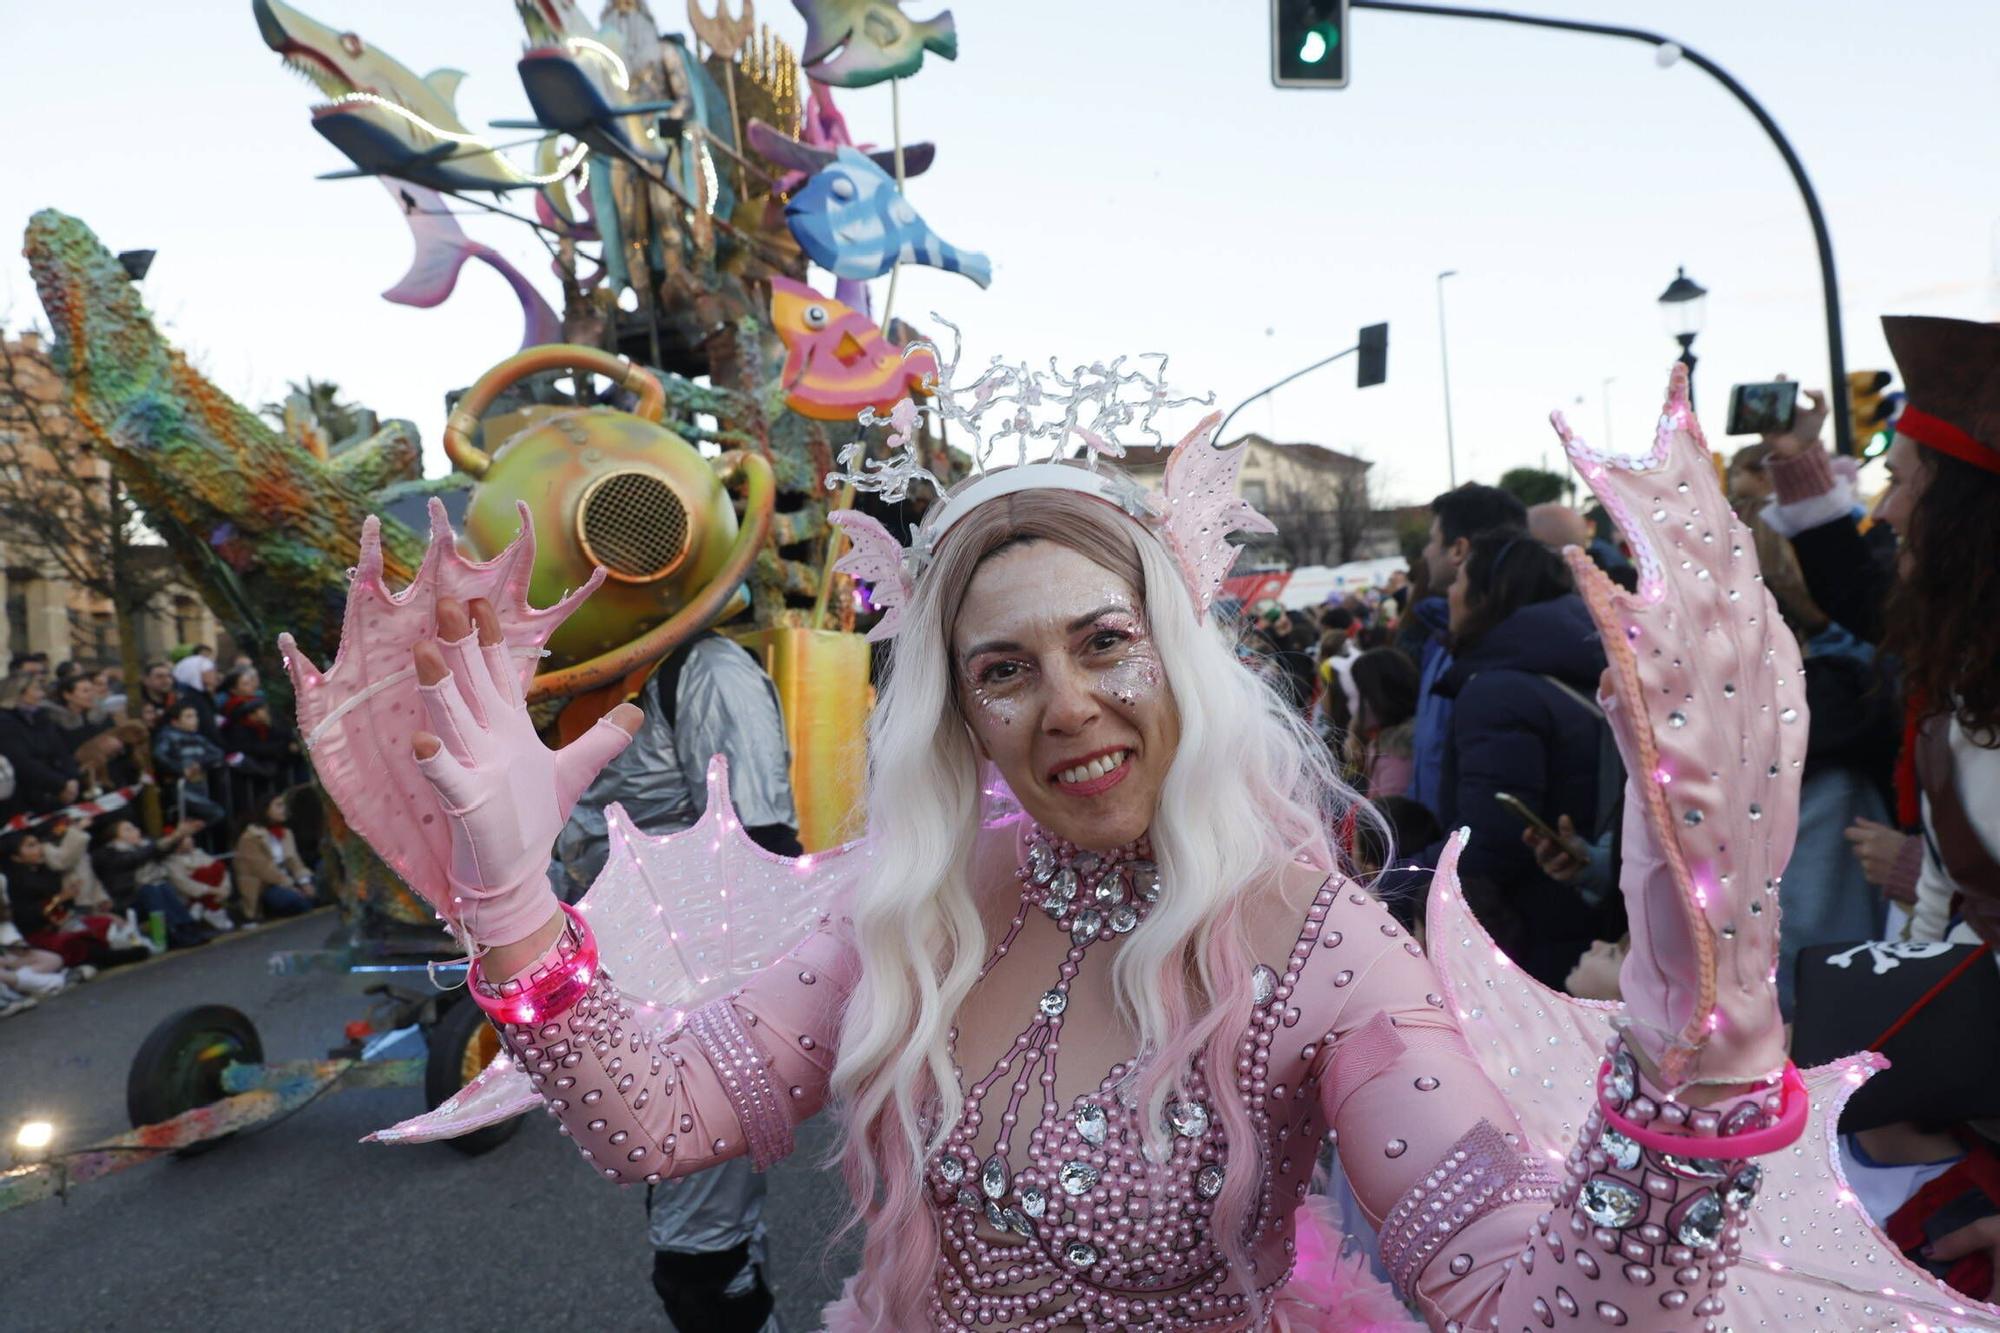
(1526,662)
(1931,606)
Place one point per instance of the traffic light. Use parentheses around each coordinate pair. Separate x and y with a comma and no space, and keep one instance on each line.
(1871,410)
(1372,357)
(1309,43)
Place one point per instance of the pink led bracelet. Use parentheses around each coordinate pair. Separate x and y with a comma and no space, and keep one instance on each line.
(547,991)
(1787,1130)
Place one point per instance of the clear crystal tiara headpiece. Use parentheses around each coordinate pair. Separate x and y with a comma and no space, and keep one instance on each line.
(1097,411)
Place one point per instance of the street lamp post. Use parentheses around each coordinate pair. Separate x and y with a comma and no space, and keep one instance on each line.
(1683,307)
(1667,52)
(1444,358)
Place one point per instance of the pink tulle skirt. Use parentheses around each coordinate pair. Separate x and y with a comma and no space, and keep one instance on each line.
(1327,1294)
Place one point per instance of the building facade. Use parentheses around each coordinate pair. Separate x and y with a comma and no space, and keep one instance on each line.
(1319,498)
(49,608)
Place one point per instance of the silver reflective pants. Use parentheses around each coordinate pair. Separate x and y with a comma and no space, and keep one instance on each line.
(710,1211)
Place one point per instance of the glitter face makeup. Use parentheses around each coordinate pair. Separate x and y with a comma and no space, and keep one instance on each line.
(1061,686)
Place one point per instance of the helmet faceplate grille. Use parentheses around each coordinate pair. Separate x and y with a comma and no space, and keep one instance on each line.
(634,525)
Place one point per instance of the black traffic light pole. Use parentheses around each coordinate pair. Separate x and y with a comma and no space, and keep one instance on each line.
(1377,334)
(1221,438)
(1843,428)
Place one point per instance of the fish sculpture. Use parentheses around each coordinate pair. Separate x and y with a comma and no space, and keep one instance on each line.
(836,361)
(855,43)
(851,220)
(443,248)
(383,118)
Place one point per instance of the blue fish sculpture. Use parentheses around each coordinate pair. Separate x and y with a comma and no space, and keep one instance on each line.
(850,220)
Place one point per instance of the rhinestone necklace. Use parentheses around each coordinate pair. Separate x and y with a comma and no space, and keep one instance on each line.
(1093,895)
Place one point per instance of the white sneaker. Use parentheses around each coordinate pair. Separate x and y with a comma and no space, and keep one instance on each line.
(39,983)
(217,918)
(81,973)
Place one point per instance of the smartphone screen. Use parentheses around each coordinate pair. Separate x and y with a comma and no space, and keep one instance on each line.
(1519,809)
(1762,409)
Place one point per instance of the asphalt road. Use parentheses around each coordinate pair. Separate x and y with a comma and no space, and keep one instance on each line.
(303,1224)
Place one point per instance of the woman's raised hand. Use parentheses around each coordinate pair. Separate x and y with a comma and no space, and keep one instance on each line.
(505,794)
(1705,695)
(1807,423)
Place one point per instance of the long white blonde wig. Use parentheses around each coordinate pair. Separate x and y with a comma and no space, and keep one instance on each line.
(1250,789)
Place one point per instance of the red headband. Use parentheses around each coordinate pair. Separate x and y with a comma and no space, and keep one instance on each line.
(1941,435)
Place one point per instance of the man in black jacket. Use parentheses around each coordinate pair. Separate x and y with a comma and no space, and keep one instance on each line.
(45,771)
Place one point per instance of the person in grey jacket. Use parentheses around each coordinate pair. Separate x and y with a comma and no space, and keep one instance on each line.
(708,697)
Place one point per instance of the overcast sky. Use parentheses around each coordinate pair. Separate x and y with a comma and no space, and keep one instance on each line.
(1140,187)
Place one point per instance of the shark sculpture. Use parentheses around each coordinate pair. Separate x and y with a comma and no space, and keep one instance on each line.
(385,119)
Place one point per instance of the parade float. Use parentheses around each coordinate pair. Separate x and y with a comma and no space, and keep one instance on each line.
(673,420)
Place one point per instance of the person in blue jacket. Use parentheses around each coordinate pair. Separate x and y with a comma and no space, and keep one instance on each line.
(1523,684)
(1457,517)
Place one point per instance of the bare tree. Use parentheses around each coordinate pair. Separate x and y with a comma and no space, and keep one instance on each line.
(1308,527)
(61,508)
(1353,511)
(1319,524)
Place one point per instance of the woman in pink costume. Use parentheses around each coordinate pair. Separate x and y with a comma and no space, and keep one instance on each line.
(1150,998)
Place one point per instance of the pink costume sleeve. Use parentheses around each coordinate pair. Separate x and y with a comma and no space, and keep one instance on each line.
(1707,706)
(646,1100)
(1472,1227)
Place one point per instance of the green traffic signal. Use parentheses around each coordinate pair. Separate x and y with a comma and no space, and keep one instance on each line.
(1309,46)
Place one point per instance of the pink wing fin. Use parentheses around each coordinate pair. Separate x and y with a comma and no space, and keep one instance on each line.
(1812,1259)
(357,716)
(877,560)
(1202,508)
(680,919)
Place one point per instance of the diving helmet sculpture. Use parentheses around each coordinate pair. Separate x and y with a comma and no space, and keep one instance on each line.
(616,490)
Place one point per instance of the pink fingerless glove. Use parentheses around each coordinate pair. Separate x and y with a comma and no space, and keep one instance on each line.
(504,793)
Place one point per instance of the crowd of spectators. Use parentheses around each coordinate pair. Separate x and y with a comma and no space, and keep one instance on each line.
(86,885)
(1464,695)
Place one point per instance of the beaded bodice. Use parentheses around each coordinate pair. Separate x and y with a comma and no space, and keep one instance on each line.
(1071,1218)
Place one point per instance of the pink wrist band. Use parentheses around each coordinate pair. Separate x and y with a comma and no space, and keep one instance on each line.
(549,987)
(1808,474)
(1669,1127)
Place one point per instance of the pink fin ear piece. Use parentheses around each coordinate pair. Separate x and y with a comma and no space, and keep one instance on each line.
(877,560)
(1201,508)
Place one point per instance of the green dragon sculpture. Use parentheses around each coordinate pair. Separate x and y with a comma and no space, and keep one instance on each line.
(265,528)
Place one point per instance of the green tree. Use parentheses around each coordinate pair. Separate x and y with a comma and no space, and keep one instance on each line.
(1413,533)
(317,403)
(1534,486)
